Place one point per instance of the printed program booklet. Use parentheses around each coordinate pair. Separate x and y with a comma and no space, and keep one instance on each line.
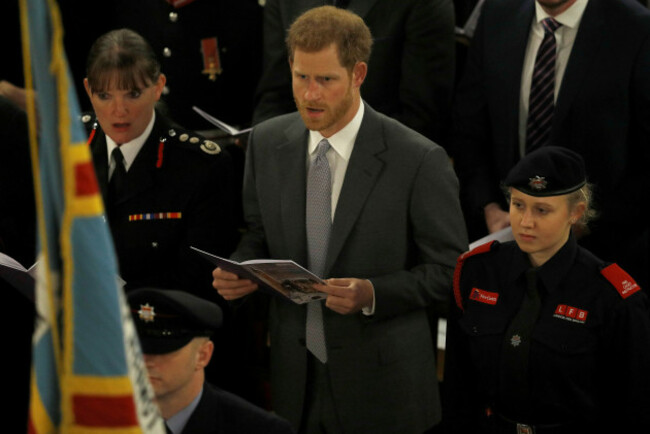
(18,276)
(283,277)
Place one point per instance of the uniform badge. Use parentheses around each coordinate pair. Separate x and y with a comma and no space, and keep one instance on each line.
(171,132)
(86,118)
(484,296)
(146,313)
(194,140)
(515,340)
(622,281)
(211,61)
(537,183)
(209,147)
(183,137)
(570,313)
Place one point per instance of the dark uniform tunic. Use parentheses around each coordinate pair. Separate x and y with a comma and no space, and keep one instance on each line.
(221,412)
(176,34)
(590,349)
(178,194)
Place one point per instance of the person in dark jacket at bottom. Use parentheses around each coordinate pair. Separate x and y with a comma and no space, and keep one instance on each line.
(174,328)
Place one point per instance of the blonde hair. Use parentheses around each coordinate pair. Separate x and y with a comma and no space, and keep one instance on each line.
(585,195)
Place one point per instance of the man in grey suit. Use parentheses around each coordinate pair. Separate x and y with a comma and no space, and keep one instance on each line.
(393,221)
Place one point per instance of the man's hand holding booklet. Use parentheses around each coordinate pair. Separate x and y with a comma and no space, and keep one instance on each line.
(276,276)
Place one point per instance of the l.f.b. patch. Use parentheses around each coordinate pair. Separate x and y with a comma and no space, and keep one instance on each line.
(570,313)
(482,296)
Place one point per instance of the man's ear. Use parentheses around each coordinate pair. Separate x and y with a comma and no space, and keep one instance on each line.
(359,72)
(204,354)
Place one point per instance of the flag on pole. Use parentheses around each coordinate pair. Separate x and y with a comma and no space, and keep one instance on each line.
(87,373)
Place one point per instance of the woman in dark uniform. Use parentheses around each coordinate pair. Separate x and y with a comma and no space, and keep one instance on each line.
(164,189)
(544,336)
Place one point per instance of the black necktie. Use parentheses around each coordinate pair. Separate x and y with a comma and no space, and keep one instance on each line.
(118,178)
(515,353)
(541,103)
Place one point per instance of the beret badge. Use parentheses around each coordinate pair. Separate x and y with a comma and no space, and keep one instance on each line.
(146,313)
(537,183)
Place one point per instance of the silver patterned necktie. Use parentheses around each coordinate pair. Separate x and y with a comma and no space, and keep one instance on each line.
(319,225)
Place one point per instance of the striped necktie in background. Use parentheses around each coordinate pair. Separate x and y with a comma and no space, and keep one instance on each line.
(542,90)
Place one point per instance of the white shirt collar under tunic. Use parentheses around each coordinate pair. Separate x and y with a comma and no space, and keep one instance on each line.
(129,149)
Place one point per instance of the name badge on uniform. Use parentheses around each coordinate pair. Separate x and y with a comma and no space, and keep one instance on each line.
(211,61)
(484,296)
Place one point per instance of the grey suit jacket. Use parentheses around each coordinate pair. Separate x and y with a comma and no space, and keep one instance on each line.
(398,223)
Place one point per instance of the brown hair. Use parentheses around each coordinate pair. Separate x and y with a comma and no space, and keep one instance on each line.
(123,54)
(320,27)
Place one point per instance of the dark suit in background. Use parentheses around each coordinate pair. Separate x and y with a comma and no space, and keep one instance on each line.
(601,112)
(411,65)
(397,223)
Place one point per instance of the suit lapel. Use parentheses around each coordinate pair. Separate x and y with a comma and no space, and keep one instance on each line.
(583,54)
(513,44)
(207,417)
(292,159)
(360,178)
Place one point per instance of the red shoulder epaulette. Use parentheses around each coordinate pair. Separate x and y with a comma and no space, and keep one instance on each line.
(622,281)
(483,248)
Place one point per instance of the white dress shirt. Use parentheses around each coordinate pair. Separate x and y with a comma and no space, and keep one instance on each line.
(338,156)
(129,149)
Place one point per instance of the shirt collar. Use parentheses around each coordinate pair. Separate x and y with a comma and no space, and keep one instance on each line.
(569,18)
(177,422)
(343,141)
(555,269)
(130,149)
(552,271)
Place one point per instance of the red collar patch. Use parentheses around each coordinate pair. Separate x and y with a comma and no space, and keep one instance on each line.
(484,296)
(570,313)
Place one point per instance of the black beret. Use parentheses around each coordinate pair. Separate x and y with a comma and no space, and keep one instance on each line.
(548,171)
(167,319)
